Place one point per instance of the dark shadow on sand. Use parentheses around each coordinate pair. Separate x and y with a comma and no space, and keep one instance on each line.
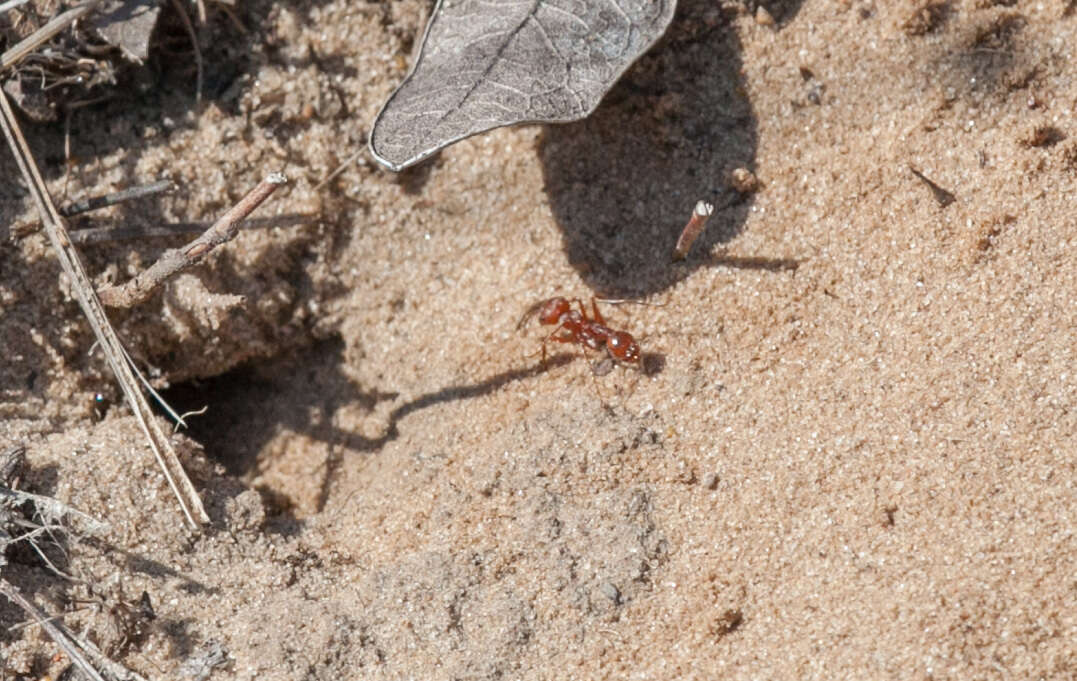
(623,182)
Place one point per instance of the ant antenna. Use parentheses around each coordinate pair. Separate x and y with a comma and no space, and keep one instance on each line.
(619,301)
(529,313)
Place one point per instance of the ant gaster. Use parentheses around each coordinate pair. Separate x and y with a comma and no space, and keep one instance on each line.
(574,326)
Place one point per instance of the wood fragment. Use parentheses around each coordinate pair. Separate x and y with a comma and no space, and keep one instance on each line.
(176,260)
(55,228)
(693,229)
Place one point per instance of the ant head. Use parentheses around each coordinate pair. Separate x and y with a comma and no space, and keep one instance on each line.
(552,309)
(623,347)
(548,312)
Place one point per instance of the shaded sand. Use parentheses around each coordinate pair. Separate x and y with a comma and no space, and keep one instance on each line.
(853,456)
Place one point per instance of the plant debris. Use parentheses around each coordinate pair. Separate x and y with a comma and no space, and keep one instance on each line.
(482,66)
(79,64)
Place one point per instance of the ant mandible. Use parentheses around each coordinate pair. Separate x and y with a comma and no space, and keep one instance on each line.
(574,326)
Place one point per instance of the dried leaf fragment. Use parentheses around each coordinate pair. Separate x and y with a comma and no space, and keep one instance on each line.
(128,25)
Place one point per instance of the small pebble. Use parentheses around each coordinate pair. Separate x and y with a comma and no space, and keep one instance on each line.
(744,181)
(710,481)
(763,17)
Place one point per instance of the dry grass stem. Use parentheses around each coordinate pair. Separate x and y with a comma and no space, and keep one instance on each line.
(190,503)
(176,260)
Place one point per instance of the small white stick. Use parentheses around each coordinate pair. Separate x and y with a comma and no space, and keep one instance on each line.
(693,229)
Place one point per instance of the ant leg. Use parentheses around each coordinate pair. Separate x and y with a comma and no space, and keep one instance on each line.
(598,315)
(552,336)
(583,310)
(529,313)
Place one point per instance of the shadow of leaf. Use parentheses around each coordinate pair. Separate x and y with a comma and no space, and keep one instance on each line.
(623,183)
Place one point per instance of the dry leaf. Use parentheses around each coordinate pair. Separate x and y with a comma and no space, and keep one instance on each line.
(487,63)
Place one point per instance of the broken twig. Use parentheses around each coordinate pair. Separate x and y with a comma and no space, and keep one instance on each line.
(693,229)
(176,260)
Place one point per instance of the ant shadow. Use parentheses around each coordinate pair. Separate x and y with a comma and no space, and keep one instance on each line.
(302,393)
(623,182)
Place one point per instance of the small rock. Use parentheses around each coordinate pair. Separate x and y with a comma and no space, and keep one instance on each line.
(744,181)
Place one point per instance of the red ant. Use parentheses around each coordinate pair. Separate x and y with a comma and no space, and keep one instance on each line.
(574,326)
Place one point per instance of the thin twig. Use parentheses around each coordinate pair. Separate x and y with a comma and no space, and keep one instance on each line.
(176,260)
(339,169)
(180,419)
(96,235)
(111,199)
(77,648)
(114,669)
(45,33)
(156,395)
(693,229)
(191,505)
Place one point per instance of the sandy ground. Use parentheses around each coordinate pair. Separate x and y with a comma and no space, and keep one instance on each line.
(852,455)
